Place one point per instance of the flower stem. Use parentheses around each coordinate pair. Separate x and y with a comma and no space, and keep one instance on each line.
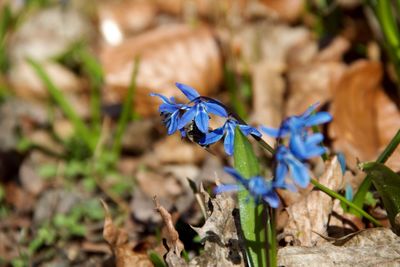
(344,200)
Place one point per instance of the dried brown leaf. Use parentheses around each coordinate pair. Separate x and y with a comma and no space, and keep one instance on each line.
(126,17)
(287,10)
(175,245)
(311,214)
(388,123)
(313,76)
(222,245)
(173,241)
(268,92)
(119,243)
(354,127)
(372,247)
(167,54)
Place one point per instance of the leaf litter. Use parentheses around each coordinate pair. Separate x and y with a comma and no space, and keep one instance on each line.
(195,42)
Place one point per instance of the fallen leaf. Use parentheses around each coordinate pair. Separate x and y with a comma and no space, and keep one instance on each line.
(48,33)
(174,150)
(371,247)
(174,244)
(311,214)
(313,78)
(287,10)
(388,123)
(222,244)
(354,128)
(167,54)
(120,19)
(268,92)
(26,84)
(119,243)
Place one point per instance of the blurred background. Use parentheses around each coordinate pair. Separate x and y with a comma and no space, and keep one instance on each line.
(77,123)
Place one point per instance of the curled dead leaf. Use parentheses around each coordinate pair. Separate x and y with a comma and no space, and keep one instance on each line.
(354,128)
(119,243)
(311,214)
(167,54)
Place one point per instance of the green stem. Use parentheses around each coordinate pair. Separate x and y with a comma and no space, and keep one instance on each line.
(359,197)
(344,200)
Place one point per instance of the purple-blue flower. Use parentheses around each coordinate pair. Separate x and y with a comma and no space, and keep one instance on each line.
(258,187)
(170,111)
(286,162)
(200,109)
(297,125)
(228,129)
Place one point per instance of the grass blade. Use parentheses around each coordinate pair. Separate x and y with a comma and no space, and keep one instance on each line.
(65,106)
(127,110)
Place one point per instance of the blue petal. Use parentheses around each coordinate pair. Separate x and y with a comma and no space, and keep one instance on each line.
(166,107)
(297,146)
(280,132)
(173,126)
(314,139)
(299,173)
(201,118)
(235,175)
(187,117)
(342,161)
(163,98)
(310,110)
(227,188)
(314,152)
(280,173)
(183,132)
(246,130)
(349,192)
(213,136)
(188,91)
(216,109)
(272,199)
(229,140)
(318,118)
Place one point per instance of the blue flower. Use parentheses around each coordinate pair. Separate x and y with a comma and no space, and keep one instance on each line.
(200,109)
(171,112)
(297,125)
(228,129)
(258,187)
(288,162)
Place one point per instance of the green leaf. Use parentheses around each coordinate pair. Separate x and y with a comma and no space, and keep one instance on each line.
(252,216)
(387,183)
(359,198)
(156,259)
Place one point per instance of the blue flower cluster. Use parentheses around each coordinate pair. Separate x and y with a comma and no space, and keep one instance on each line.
(301,145)
(289,159)
(178,116)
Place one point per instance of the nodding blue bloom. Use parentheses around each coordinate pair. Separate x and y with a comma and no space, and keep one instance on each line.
(287,162)
(297,124)
(228,129)
(258,187)
(200,109)
(171,112)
